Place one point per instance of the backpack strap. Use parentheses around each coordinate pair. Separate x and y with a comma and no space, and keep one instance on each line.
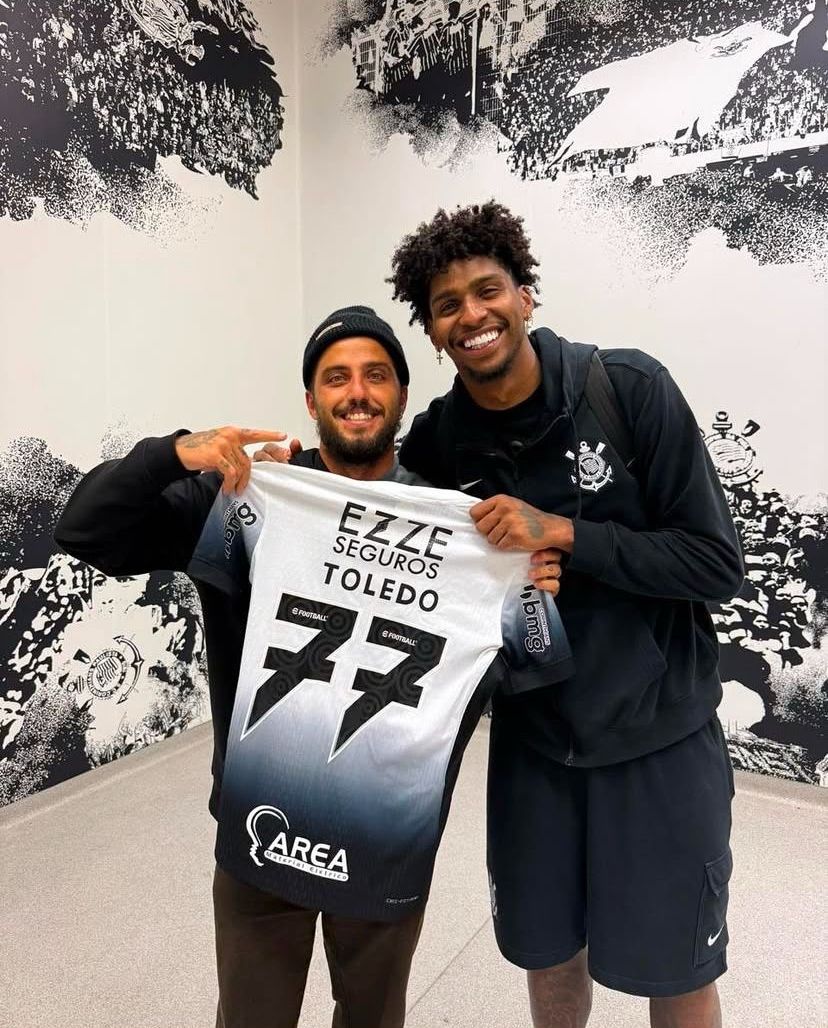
(600,394)
(448,440)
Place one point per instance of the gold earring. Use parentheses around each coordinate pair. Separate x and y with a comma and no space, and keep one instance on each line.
(439,356)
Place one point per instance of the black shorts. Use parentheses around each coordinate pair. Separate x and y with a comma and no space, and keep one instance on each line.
(631,859)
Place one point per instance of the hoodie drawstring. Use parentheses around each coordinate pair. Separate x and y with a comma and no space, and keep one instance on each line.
(577,451)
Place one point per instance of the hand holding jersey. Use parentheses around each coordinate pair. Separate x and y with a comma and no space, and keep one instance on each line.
(511,524)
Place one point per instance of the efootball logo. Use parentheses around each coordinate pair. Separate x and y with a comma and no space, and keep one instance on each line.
(320,859)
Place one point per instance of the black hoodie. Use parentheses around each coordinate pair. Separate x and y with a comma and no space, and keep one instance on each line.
(653,545)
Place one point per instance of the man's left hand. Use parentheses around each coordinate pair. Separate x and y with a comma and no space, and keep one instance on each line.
(512,524)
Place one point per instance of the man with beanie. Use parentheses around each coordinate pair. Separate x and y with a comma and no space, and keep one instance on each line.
(145,512)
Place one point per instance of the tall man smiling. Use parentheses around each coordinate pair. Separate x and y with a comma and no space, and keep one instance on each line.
(614,786)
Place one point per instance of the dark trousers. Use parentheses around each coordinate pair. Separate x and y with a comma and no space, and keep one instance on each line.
(263,951)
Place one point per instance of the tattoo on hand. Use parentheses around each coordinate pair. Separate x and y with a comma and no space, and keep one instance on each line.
(192,442)
(533,522)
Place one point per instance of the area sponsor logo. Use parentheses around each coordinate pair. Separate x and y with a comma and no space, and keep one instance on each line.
(285,847)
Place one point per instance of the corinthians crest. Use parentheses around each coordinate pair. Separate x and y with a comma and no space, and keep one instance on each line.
(732,455)
(115,667)
(594,470)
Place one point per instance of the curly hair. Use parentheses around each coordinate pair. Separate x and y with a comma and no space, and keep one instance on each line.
(481,230)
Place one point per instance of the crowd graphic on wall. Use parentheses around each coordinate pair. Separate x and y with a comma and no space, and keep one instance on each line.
(93,95)
(91,668)
(696,114)
(771,635)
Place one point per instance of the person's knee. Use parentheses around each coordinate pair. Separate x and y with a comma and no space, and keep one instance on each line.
(561,996)
(576,966)
(698,1009)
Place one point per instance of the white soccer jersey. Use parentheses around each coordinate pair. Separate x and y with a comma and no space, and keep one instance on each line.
(378,626)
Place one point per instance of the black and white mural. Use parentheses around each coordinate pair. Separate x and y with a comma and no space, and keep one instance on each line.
(94,97)
(691,114)
(91,668)
(661,130)
(687,140)
(772,660)
(139,187)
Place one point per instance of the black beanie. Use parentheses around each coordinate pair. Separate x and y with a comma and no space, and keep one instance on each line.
(347,322)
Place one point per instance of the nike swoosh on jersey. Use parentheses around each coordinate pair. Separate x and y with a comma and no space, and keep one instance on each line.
(712,938)
(467,485)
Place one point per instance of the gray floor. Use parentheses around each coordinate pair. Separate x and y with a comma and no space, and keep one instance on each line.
(106,918)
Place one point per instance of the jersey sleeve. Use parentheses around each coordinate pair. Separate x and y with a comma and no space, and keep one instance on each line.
(535,646)
(222,557)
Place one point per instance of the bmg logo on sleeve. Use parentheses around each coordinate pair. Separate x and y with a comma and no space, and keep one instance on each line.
(236,515)
(536,622)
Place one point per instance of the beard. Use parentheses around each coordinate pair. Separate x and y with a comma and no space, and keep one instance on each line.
(358,451)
